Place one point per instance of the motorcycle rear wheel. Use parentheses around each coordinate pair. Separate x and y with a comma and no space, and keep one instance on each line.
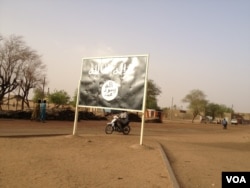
(126,130)
(109,129)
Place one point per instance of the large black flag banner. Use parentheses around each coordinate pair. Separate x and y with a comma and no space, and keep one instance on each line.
(114,82)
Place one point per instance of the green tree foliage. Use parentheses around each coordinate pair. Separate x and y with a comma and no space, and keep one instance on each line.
(212,110)
(152,92)
(59,98)
(197,102)
(38,94)
(216,110)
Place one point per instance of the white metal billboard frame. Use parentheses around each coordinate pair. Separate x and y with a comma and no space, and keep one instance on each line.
(144,97)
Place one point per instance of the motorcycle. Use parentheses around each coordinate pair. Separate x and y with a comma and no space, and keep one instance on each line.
(113,126)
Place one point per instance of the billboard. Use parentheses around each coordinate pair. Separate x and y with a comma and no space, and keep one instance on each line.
(114,82)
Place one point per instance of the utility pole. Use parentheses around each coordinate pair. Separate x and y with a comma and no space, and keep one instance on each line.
(232,112)
(43,86)
(171,108)
(47,96)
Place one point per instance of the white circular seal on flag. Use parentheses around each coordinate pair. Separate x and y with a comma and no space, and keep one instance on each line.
(109,90)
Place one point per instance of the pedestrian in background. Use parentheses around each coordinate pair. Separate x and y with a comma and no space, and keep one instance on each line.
(43,111)
(224,123)
(36,112)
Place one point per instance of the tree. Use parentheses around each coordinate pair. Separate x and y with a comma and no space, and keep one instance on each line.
(38,94)
(212,110)
(216,110)
(197,102)
(59,98)
(13,52)
(33,77)
(20,68)
(152,92)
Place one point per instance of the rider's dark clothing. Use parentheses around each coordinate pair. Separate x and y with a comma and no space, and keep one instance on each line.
(123,119)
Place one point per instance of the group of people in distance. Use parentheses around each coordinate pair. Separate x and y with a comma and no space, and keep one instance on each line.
(39,112)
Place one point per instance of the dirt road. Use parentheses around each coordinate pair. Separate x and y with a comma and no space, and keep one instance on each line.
(35,154)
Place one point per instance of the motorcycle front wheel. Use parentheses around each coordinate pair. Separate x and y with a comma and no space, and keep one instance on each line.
(109,129)
(126,130)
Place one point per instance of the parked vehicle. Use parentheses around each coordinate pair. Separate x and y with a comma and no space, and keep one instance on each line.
(234,121)
(216,121)
(206,119)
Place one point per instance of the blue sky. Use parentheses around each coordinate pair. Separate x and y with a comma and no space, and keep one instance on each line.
(192,44)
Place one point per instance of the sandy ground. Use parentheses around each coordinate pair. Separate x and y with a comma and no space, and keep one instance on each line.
(42,155)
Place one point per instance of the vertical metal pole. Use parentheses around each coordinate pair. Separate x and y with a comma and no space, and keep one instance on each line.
(75,121)
(48,96)
(172,108)
(43,87)
(144,103)
(76,110)
(142,127)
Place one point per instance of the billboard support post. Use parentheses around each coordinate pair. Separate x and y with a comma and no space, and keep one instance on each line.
(144,103)
(75,121)
(142,128)
(76,109)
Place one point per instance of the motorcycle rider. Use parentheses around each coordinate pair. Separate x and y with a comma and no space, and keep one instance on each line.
(123,119)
